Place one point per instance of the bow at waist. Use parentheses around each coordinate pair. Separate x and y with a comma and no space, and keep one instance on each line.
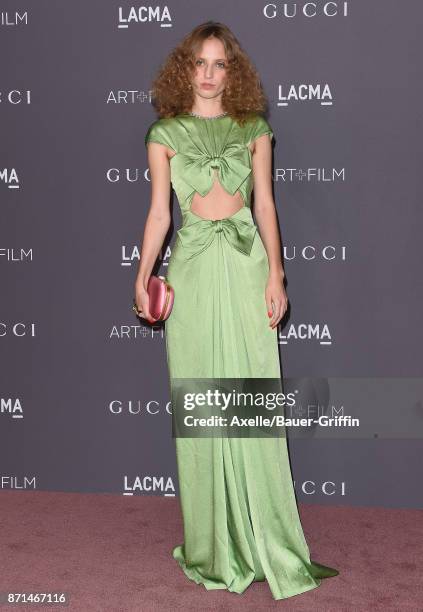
(198,233)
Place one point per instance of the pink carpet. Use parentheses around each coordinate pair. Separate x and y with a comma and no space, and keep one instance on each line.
(113,553)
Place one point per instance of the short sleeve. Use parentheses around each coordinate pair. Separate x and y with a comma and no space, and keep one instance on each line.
(158,132)
(260,127)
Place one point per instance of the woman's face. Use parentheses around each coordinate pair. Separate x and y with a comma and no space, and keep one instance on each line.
(209,79)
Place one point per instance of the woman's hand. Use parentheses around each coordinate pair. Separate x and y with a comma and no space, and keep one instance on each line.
(276,299)
(143,303)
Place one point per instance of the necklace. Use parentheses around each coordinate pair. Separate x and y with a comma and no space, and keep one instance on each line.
(212,117)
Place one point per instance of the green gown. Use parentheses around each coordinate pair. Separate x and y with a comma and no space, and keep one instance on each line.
(240,518)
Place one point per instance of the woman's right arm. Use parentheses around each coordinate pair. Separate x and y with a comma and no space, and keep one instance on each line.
(157,223)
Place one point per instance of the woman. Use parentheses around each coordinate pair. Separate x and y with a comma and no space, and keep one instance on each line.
(240,518)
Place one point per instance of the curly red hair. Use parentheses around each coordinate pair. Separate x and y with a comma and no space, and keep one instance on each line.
(243,96)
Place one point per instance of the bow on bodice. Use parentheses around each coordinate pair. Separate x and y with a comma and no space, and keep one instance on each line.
(198,233)
(196,168)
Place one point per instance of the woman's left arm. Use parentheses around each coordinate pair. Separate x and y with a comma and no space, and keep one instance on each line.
(265,214)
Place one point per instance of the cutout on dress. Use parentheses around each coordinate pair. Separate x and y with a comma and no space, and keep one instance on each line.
(217,191)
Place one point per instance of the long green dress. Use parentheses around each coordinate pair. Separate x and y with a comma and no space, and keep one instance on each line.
(240,518)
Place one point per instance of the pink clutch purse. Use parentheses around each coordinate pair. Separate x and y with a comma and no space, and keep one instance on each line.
(161,296)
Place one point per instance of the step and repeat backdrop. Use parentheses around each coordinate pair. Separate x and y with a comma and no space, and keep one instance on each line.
(84,383)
